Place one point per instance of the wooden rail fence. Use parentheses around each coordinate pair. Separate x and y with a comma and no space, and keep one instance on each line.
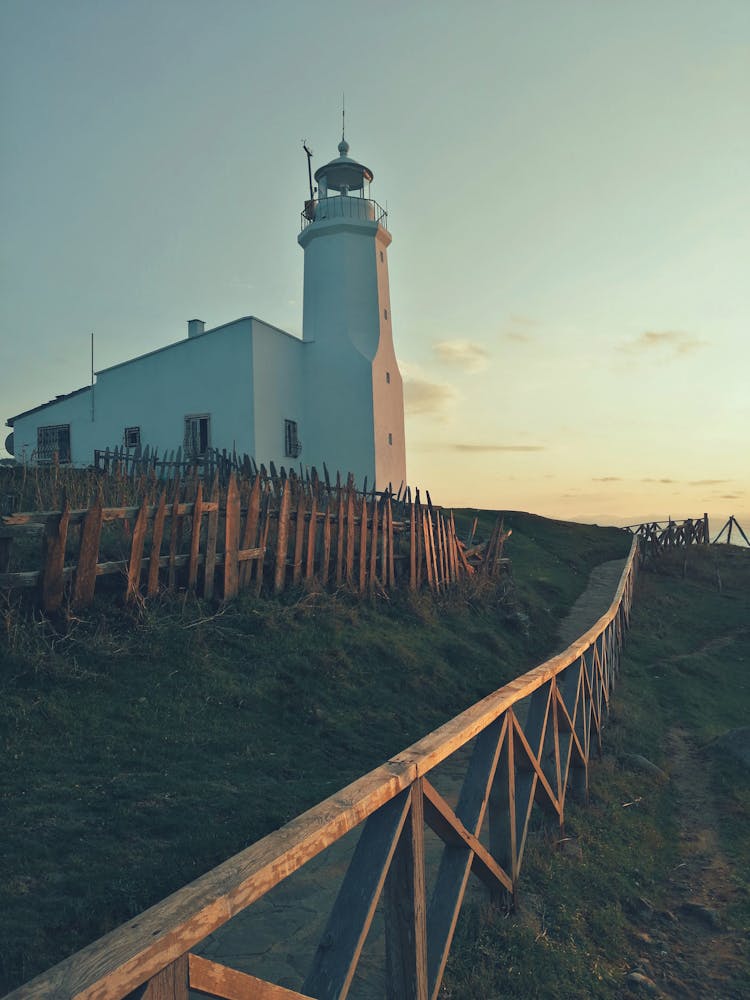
(265,532)
(659,535)
(732,522)
(532,742)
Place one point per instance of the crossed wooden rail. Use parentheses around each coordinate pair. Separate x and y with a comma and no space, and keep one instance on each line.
(519,758)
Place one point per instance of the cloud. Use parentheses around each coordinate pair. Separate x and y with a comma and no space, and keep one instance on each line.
(731,496)
(519,329)
(660,480)
(675,342)
(606,479)
(422,396)
(496,447)
(462,354)
(708,482)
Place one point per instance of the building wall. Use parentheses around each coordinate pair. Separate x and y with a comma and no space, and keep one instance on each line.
(387,385)
(209,374)
(278,367)
(76,411)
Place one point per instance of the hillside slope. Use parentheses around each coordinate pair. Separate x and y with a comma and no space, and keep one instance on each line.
(148,744)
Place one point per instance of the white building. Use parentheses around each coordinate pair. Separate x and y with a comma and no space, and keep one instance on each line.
(335,396)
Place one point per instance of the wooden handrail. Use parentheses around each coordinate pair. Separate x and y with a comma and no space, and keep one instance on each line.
(576,682)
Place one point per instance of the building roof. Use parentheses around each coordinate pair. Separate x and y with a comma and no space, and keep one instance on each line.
(148,354)
(51,402)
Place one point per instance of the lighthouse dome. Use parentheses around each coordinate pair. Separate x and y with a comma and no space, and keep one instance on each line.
(343,174)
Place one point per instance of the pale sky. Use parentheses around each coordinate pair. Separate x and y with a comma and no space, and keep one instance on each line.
(568,193)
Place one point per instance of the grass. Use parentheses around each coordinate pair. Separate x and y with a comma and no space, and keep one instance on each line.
(618,898)
(147,744)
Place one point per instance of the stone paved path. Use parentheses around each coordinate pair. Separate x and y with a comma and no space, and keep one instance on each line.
(276,938)
(593,602)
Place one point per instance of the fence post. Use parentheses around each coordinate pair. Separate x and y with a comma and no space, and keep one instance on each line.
(282,538)
(136,551)
(53,548)
(212,528)
(88,556)
(232,539)
(158,532)
(405,909)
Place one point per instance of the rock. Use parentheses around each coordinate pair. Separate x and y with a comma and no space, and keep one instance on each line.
(642,982)
(702,912)
(734,743)
(570,847)
(641,763)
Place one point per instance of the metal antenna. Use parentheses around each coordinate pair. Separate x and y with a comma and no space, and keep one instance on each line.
(309,167)
(343,115)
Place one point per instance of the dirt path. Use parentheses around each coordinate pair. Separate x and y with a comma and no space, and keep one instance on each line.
(686,949)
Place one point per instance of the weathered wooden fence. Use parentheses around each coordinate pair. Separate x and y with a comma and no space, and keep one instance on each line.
(658,535)
(531,740)
(266,532)
(731,523)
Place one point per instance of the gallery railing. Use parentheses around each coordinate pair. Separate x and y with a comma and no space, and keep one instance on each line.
(338,207)
(530,743)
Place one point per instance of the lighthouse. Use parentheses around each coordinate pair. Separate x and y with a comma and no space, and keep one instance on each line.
(353,388)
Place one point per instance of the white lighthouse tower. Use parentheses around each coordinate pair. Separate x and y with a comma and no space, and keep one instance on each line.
(354,393)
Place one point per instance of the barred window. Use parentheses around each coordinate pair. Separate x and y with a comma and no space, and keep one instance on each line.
(292,443)
(197,439)
(55,438)
(132,437)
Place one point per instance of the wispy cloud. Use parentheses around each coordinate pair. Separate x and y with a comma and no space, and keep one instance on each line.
(520,329)
(421,396)
(708,482)
(731,496)
(460,446)
(606,479)
(676,343)
(463,354)
(674,481)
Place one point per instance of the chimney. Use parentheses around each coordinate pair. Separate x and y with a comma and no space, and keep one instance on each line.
(195,327)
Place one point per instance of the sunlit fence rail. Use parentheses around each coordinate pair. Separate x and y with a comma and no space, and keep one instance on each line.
(528,746)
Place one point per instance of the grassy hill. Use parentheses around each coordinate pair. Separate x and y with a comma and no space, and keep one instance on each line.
(145,745)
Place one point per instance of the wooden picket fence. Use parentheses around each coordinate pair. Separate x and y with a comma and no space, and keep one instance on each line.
(260,534)
(531,742)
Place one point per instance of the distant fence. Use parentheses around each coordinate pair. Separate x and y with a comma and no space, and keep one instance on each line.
(269,532)
(532,743)
(658,535)
(731,523)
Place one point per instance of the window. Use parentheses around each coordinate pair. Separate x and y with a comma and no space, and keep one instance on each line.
(132,437)
(50,440)
(385,314)
(197,434)
(388,377)
(390,439)
(382,258)
(292,443)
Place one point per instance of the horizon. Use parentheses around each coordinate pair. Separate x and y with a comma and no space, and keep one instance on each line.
(567,196)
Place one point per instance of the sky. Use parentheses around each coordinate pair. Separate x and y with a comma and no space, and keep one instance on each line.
(567,189)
